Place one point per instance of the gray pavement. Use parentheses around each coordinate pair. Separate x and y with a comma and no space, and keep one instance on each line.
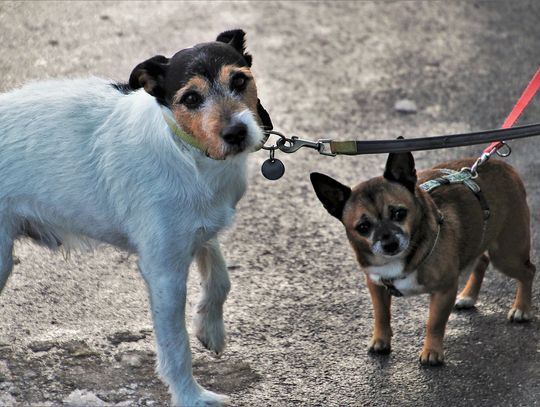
(299,315)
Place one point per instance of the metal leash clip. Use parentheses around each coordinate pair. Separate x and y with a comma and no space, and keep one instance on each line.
(488,152)
(273,168)
(267,134)
(293,144)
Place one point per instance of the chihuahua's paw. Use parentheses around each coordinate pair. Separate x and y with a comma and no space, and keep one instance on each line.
(518,315)
(465,302)
(379,346)
(431,357)
(210,332)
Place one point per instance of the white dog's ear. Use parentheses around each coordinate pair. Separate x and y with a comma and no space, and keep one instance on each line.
(150,75)
(237,40)
(331,193)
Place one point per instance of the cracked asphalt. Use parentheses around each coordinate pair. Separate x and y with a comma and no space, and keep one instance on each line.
(298,316)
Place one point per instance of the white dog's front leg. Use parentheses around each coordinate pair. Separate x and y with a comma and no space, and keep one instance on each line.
(167,289)
(215,285)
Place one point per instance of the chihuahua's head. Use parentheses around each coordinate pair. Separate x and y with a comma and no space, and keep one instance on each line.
(380,214)
(211,92)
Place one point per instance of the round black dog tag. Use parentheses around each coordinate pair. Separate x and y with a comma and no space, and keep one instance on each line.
(273,169)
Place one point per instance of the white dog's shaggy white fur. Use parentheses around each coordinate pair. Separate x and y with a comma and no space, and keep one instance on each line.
(78,158)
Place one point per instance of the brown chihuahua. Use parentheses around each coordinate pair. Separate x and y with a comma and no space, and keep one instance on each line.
(415,234)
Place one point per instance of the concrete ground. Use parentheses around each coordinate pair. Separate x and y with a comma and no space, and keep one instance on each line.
(298,317)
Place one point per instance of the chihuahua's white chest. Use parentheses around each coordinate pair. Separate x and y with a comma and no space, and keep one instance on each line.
(392,274)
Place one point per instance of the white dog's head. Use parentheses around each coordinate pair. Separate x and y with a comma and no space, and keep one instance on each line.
(211,92)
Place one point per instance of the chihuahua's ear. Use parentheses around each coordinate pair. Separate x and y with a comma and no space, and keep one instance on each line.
(237,40)
(266,122)
(400,168)
(331,193)
(150,75)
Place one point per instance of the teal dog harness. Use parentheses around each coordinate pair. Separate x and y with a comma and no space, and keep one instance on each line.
(464,177)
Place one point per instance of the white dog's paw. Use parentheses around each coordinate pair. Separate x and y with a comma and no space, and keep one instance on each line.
(518,315)
(210,331)
(205,398)
(465,302)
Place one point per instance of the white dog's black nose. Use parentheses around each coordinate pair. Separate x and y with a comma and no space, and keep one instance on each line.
(235,133)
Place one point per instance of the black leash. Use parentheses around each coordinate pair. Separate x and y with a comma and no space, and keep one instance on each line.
(273,168)
(432,143)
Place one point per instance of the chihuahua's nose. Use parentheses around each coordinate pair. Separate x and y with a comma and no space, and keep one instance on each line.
(390,245)
(234,133)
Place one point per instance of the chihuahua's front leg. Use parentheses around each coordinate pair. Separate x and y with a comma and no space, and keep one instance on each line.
(215,285)
(382,331)
(440,307)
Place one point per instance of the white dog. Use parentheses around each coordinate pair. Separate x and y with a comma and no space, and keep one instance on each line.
(155,166)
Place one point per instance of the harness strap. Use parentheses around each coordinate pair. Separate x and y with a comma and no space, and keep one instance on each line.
(459,177)
(484,205)
(451,177)
(465,177)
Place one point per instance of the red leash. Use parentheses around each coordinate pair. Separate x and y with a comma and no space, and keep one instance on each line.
(520,106)
(518,109)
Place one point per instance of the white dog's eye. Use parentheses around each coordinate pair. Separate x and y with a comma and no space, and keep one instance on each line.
(239,82)
(192,100)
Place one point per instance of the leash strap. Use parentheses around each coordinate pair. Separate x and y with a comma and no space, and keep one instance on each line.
(431,143)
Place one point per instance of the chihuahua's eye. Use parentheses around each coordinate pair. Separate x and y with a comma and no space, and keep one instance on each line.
(239,82)
(398,214)
(364,227)
(192,100)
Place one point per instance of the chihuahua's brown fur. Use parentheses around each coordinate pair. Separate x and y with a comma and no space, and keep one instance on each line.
(409,241)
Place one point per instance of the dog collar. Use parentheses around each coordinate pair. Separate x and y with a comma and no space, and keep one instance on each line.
(389,285)
(440,222)
(185,137)
(189,139)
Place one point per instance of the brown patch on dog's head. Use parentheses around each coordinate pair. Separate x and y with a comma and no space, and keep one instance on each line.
(215,110)
(240,79)
(211,92)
